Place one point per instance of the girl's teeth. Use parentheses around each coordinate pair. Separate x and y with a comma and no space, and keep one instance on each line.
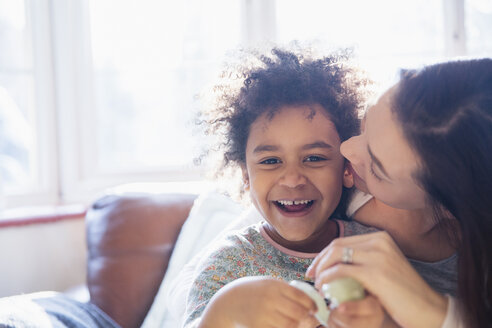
(295,202)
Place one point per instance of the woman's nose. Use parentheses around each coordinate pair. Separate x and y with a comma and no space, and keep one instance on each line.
(351,149)
(292,178)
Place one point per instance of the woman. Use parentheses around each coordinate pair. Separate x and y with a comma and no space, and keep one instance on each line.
(425,150)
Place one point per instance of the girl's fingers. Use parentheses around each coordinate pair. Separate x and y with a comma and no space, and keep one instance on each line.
(300,298)
(293,310)
(279,319)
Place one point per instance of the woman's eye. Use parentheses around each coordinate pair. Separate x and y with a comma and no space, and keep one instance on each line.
(374,173)
(314,158)
(270,161)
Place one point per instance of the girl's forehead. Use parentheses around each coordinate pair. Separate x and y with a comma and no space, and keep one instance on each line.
(295,124)
(308,111)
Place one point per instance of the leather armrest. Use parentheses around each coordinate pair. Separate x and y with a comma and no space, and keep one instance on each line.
(130,239)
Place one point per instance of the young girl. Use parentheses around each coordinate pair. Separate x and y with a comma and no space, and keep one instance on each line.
(283,129)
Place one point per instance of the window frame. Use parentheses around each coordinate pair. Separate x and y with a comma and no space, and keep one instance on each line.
(65,101)
(46,152)
(80,179)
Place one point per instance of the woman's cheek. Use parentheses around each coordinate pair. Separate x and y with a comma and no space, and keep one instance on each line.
(361,184)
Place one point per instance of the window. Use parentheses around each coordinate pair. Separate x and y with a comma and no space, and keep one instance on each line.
(100,92)
(385,35)
(146,74)
(478,24)
(27,151)
(17,101)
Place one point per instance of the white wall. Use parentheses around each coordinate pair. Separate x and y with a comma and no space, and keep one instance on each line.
(38,257)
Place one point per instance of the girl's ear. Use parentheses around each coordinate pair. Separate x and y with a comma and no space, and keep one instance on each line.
(244,171)
(348,178)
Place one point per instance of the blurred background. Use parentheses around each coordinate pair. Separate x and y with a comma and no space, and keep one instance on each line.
(95,93)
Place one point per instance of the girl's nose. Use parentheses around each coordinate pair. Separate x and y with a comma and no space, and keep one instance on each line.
(292,178)
(351,149)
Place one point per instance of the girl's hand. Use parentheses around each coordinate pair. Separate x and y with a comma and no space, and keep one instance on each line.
(379,265)
(258,302)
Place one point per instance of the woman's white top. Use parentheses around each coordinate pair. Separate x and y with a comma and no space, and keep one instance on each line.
(453,318)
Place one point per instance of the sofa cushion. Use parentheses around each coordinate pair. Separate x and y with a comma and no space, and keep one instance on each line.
(211,213)
(130,239)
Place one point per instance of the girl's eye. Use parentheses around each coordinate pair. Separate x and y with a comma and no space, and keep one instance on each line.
(314,158)
(270,161)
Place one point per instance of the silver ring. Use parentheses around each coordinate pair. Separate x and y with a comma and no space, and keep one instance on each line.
(347,254)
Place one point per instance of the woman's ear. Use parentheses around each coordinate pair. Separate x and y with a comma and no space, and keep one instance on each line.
(244,172)
(348,178)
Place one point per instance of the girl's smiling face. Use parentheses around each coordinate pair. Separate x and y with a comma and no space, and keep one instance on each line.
(295,172)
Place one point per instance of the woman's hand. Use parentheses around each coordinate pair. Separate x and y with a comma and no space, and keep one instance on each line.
(366,313)
(258,302)
(379,265)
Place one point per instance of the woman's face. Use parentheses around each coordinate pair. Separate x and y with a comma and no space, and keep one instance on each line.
(383,163)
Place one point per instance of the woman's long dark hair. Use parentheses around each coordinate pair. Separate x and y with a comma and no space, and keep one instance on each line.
(446,114)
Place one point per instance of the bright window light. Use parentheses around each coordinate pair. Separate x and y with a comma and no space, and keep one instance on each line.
(150,60)
(18,165)
(478,25)
(384,34)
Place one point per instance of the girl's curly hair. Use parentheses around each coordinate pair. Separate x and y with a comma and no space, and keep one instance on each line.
(283,78)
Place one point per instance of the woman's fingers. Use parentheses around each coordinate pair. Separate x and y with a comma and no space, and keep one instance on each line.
(360,256)
(361,246)
(338,243)
(361,253)
(350,241)
(364,313)
(340,271)
(366,306)
(380,266)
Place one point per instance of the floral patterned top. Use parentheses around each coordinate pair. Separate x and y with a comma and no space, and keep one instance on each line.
(241,254)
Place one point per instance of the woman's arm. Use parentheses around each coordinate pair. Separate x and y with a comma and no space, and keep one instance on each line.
(384,271)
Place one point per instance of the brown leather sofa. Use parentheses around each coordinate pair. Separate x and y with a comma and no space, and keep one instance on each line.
(130,238)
